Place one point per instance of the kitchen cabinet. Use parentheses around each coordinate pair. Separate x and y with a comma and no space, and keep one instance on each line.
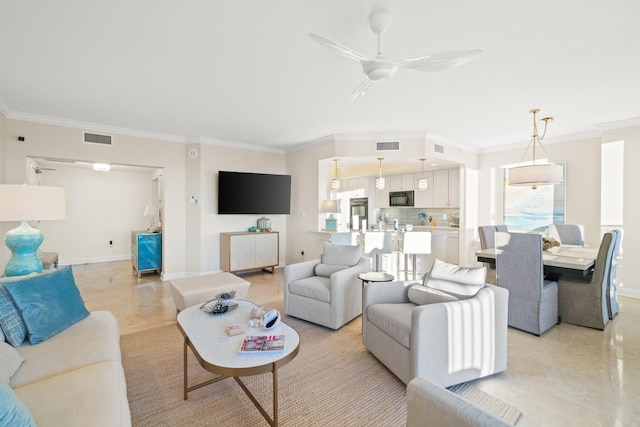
(249,251)
(401,182)
(446,188)
(146,251)
(358,187)
(454,188)
(382,198)
(441,188)
(452,248)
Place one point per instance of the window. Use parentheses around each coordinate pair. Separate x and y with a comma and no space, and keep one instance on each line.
(526,209)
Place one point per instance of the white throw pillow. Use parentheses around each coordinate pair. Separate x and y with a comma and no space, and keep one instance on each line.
(10,361)
(326,270)
(341,254)
(422,295)
(460,282)
(454,273)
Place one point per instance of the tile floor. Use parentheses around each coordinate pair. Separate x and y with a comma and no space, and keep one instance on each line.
(571,376)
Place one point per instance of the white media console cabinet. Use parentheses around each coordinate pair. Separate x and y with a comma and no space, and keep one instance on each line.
(242,251)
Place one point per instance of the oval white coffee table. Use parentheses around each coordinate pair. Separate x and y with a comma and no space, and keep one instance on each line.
(205,335)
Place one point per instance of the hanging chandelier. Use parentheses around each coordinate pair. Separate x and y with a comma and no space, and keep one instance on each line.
(423,183)
(536,173)
(380,179)
(335,181)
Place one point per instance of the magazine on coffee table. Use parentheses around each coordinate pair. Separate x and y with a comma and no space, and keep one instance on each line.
(257,344)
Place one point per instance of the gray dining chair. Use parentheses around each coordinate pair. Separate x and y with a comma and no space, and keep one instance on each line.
(533,301)
(567,234)
(487,240)
(612,300)
(583,301)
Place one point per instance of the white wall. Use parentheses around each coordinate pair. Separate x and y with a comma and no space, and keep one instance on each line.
(215,158)
(101,207)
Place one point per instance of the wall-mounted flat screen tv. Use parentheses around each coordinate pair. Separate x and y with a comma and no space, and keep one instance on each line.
(253,193)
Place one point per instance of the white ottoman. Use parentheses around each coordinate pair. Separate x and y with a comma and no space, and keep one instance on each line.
(194,290)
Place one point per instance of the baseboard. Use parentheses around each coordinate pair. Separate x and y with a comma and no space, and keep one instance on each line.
(626,292)
(111,258)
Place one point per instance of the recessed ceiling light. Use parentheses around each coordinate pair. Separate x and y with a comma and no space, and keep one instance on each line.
(101,167)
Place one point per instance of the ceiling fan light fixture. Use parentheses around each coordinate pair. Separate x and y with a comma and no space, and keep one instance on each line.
(536,174)
(380,182)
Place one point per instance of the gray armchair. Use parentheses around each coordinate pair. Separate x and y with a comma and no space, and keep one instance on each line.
(488,240)
(584,301)
(533,301)
(450,330)
(326,291)
(612,301)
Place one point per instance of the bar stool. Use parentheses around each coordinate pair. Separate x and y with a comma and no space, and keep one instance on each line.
(416,243)
(377,243)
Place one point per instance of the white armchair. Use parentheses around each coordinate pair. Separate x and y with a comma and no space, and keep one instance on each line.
(326,291)
(450,330)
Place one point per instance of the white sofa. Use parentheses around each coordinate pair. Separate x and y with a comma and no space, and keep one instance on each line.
(75,378)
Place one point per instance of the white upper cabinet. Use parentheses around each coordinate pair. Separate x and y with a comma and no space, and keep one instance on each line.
(446,188)
(454,188)
(358,187)
(441,189)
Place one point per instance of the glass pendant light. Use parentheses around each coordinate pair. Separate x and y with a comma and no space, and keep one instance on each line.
(380,179)
(423,183)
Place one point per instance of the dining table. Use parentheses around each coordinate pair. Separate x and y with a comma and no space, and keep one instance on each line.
(559,260)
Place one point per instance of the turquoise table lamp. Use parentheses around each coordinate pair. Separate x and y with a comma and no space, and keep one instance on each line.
(28,203)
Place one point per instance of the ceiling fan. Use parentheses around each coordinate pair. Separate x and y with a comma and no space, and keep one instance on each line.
(382,68)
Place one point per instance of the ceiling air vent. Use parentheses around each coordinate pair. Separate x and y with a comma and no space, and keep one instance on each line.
(437,148)
(94,138)
(388,146)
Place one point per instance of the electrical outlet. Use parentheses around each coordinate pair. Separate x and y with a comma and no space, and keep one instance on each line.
(302,253)
(110,242)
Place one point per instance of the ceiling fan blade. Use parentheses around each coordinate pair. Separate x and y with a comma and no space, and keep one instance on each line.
(344,51)
(361,89)
(442,61)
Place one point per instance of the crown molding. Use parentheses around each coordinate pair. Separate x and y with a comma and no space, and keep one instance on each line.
(315,143)
(239,145)
(93,127)
(619,124)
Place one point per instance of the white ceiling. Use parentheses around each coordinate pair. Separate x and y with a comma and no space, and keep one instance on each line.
(246,70)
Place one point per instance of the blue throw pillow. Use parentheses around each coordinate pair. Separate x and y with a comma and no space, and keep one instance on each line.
(12,410)
(48,303)
(14,329)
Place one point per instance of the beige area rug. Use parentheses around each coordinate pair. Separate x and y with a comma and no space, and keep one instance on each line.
(333,381)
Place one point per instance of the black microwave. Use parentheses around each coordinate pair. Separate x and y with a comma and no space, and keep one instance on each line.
(401,198)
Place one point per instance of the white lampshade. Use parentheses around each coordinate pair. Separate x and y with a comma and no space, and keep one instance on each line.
(534,175)
(335,184)
(32,203)
(330,206)
(150,210)
(380,183)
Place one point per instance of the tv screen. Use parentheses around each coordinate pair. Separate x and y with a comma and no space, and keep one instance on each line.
(253,193)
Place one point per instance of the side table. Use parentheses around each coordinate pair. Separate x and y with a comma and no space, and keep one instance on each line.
(375,276)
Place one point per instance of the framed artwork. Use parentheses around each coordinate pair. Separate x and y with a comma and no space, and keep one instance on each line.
(526,209)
